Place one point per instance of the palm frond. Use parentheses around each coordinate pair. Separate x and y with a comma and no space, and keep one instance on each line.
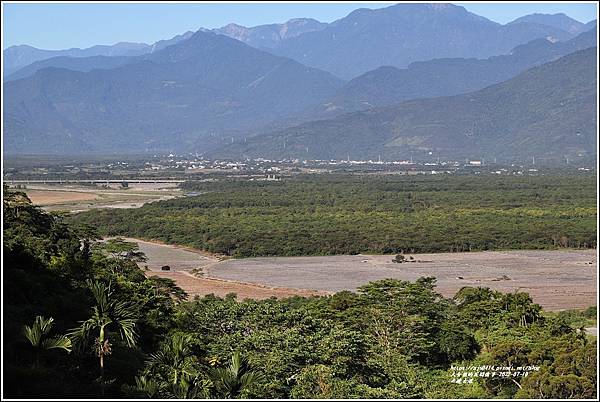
(232,380)
(32,334)
(122,309)
(58,342)
(148,386)
(101,293)
(44,324)
(41,326)
(127,331)
(159,357)
(36,335)
(249,379)
(180,389)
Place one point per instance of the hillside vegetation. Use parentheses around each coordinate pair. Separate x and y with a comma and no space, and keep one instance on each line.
(548,111)
(185,95)
(389,85)
(82,320)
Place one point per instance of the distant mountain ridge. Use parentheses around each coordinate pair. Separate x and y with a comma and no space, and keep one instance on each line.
(200,91)
(83,64)
(404,33)
(17,57)
(548,111)
(560,21)
(397,35)
(190,93)
(271,35)
(387,85)
(20,65)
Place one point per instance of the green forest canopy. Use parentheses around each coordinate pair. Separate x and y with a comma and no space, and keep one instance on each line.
(346,214)
(390,339)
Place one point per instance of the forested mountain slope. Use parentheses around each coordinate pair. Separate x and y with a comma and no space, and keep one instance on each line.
(547,112)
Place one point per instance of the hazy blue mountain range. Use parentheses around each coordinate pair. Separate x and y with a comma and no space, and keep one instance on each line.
(548,112)
(260,37)
(17,57)
(560,21)
(188,93)
(72,63)
(271,35)
(23,61)
(442,77)
(362,41)
(199,91)
(405,33)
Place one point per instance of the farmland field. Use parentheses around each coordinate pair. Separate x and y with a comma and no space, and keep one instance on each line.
(52,197)
(77,198)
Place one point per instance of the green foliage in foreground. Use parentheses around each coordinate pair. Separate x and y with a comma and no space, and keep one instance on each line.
(319,215)
(37,335)
(390,339)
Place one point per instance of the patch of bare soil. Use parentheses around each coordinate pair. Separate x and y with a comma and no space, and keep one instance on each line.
(49,197)
(186,267)
(197,286)
(78,198)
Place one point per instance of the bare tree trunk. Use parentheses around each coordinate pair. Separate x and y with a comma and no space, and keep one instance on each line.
(37,359)
(102,373)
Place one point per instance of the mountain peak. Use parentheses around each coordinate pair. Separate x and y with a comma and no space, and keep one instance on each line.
(270,35)
(302,21)
(436,7)
(235,31)
(441,6)
(233,27)
(182,94)
(404,33)
(558,20)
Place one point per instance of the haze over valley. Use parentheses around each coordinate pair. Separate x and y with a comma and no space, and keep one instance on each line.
(237,92)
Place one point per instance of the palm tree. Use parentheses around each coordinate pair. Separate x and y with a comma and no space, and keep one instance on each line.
(148,387)
(37,335)
(231,381)
(191,387)
(107,314)
(176,357)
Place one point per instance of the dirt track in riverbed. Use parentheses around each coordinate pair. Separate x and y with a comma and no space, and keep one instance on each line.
(182,261)
(198,286)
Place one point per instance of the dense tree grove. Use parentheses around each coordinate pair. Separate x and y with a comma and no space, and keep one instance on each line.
(343,214)
(98,326)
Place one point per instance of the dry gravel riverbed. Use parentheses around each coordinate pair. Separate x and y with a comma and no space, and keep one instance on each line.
(555,279)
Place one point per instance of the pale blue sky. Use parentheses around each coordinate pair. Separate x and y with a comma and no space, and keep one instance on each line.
(60,26)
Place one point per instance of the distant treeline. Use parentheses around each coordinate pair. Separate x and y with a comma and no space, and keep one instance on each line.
(346,214)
